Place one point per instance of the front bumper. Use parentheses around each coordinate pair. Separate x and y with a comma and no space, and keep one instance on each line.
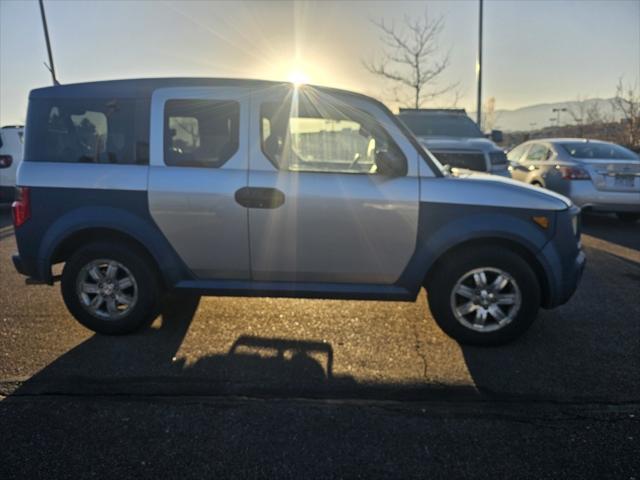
(563,260)
(563,275)
(571,278)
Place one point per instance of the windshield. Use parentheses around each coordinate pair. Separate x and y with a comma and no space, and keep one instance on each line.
(439,125)
(600,151)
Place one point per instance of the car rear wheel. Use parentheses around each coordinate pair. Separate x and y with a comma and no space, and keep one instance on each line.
(110,289)
(484,296)
(628,217)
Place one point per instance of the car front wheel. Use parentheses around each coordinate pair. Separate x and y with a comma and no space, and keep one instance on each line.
(484,296)
(110,288)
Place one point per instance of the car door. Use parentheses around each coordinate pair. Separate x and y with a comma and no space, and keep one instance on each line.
(198,160)
(320,209)
(534,161)
(515,157)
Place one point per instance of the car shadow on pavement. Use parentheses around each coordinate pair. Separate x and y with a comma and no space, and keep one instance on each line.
(587,350)
(145,363)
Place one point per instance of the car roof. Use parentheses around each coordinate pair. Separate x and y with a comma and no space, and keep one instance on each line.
(567,140)
(144,87)
(432,111)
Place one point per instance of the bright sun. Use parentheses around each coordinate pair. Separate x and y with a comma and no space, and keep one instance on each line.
(298,77)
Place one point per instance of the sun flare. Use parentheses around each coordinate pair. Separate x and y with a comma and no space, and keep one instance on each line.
(298,77)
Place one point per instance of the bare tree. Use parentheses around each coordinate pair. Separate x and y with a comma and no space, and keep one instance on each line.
(627,103)
(456,97)
(412,59)
(578,113)
(586,111)
(594,114)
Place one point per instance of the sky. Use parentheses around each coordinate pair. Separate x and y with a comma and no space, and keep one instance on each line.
(535,51)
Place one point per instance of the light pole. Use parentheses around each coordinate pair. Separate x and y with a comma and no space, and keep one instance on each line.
(479,69)
(557,112)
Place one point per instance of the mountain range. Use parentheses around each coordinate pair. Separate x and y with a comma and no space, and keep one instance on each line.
(534,117)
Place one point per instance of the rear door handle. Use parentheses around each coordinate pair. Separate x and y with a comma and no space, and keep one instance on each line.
(259,197)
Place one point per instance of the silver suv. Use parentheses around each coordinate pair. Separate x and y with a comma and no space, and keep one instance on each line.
(251,188)
(456,140)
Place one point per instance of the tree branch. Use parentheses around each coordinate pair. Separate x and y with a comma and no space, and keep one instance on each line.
(410,56)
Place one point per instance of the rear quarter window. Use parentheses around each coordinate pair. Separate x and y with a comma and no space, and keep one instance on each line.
(82,130)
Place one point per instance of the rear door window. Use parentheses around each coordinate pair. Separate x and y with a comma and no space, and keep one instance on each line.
(200,133)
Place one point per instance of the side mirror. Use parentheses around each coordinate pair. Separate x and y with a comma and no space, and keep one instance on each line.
(388,166)
(496,136)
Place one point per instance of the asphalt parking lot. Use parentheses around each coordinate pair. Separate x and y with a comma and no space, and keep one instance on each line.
(276,387)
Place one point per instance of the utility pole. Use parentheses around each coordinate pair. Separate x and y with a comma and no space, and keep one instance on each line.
(50,67)
(479,69)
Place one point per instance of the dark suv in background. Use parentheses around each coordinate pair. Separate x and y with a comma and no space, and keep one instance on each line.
(456,140)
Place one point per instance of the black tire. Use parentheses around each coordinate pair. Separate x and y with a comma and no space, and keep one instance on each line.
(146,307)
(628,217)
(454,267)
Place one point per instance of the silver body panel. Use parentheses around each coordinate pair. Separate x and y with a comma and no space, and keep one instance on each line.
(585,195)
(195,207)
(100,176)
(482,189)
(332,226)
(605,175)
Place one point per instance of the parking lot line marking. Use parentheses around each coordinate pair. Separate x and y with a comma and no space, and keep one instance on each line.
(612,248)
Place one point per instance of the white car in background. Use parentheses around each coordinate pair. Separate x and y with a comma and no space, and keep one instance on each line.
(11,146)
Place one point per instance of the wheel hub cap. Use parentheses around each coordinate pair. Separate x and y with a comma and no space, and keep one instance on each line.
(107,289)
(486,299)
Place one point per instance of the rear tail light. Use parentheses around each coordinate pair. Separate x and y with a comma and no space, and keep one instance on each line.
(573,173)
(5,161)
(21,208)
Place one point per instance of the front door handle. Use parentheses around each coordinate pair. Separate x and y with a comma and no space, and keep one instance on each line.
(259,197)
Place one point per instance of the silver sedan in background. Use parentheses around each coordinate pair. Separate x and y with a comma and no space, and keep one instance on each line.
(596,175)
